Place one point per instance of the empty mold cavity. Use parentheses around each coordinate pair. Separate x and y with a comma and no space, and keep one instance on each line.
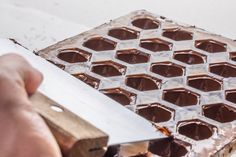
(108,68)
(169,147)
(132,56)
(223,69)
(143,82)
(120,95)
(219,112)
(74,55)
(58,65)
(177,34)
(230,95)
(233,56)
(211,46)
(100,44)
(167,69)
(155,45)
(91,81)
(146,23)
(196,129)
(189,57)
(123,33)
(181,97)
(205,83)
(155,112)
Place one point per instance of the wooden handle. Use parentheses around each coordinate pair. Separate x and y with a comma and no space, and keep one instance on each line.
(75,136)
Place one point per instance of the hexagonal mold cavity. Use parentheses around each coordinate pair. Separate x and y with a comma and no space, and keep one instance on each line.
(170,147)
(196,129)
(123,33)
(205,83)
(233,56)
(108,68)
(155,112)
(167,69)
(219,112)
(211,46)
(143,82)
(100,44)
(230,95)
(132,56)
(74,55)
(181,97)
(223,69)
(58,65)
(120,95)
(177,34)
(189,57)
(91,81)
(146,23)
(155,45)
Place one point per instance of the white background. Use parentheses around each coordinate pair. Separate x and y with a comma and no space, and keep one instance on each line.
(39,23)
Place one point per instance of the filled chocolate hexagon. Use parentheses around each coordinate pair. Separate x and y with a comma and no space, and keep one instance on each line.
(223,69)
(123,33)
(91,81)
(189,57)
(177,34)
(155,45)
(146,23)
(132,56)
(100,44)
(211,46)
(74,55)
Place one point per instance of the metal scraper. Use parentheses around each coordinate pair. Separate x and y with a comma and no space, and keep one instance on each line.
(119,123)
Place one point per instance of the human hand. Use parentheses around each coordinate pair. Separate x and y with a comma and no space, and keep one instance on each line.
(23,132)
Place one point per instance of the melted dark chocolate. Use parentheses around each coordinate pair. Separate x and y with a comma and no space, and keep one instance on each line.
(177,34)
(223,69)
(132,56)
(220,112)
(189,57)
(231,96)
(146,23)
(93,82)
(180,97)
(155,45)
(167,69)
(196,129)
(233,56)
(155,113)
(74,55)
(211,46)
(168,147)
(123,33)
(100,44)
(142,82)
(205,83)
(107,68)
(119,95)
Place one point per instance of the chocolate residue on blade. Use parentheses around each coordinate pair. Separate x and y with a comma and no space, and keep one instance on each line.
(223,69)
(167,69)
(100,44)
(211,46)
(146,23)
(143,82)
(180,97)
(57,64)
(123,33)
(155,112)
(205,83)
(170,147)
(177,34)
(74,55)
(196,129)
(92,81)
(132,56)
(120,95)
(189,57)
(219,112)
(155,45)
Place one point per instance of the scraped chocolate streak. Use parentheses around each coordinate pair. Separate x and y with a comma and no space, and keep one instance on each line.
(93,82)
(154,112)
(169,147)
(220,112)
(146,23)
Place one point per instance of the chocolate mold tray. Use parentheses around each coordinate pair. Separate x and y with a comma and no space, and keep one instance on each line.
(181,78)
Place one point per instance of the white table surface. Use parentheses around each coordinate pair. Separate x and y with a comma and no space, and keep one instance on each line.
(40,23)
